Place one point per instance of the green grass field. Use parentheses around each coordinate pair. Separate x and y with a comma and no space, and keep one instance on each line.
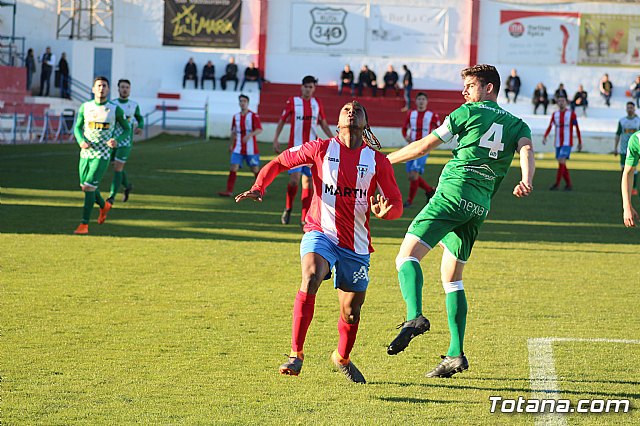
(178,309)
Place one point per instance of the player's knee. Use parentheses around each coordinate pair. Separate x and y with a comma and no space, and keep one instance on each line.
(88,188)
(451,286)
(350,314)
(311,281)
(400,260)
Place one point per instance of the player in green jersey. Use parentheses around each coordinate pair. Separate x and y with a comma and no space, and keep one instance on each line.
(487,139)
(630,215)
(627,126)
(120,155)
(94,133)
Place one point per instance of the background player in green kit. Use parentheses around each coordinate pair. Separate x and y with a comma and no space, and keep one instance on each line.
(94,132)
(627,126)
(120,155)
(630,215)
(487,139)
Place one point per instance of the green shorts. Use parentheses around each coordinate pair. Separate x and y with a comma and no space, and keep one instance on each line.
(451,221)
(91,171)
(121,154)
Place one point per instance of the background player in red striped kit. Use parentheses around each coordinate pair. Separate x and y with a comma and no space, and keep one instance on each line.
(348,171)
(419,123)
(564,120)
(245,126)
(304,112)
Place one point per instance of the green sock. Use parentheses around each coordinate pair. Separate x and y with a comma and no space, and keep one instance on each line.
(115,185)
(89,199)
(457,316)
(410,277)
(125,181)
(99,199)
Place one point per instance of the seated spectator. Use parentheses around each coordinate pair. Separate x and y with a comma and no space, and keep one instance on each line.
(190,73)
(390,81)
(230,74)
(208,73)
(635,91)
(367,78)
(560,93)
(512,86)
(540,97)
(346,79)
(580,100)
(252,74)
(606,89)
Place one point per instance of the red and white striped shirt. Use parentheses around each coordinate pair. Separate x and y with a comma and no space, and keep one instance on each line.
(304,114)
(564,121)
(419,124)
(242,125)
(343,181)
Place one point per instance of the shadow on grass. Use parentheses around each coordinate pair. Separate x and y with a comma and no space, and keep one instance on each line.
(420,400)
(590,214)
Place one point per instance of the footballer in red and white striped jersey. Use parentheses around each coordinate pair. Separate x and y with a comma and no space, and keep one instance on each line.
(242,125)
(565,121)
(303,115)
(344,181)
(245,126)
(418,124)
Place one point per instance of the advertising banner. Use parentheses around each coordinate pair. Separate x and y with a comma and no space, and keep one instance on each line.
(409,31)
(202,23)
(609,40)
(339,28)
(534,37)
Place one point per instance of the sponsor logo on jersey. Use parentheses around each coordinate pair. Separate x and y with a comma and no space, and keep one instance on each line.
(335,160)
(340,191)
(516,29)
(483,170)
(304,117)
(99,126)
(473,208)
(362,170)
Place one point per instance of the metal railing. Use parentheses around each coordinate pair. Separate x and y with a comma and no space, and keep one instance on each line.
(30,128)
(10,53)
(79,91)
(167,118)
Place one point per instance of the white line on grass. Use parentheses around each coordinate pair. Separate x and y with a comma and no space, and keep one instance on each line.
(542,371)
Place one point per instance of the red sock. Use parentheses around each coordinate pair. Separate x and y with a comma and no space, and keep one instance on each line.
(559,173)
(413,189)
(306,197)
(302,316)
(566,175)
(292,190)
(231,181)
(347,339)
(424,185)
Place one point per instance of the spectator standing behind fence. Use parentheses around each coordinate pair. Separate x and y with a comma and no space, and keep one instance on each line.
(606,89)
(208,73)
(252,73)
(559,93)
(580,100)
(190,73)
(540,97)
(63,70)
(347,79)
(390,81)
(48,59)
(635,91)
(407,83)
(230,74)
(367,78)
(30,64)
(512,86)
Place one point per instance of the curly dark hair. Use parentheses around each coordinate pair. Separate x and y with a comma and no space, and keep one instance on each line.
(485,74)
(367,135)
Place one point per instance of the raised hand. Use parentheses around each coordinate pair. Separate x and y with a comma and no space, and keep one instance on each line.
(380,206)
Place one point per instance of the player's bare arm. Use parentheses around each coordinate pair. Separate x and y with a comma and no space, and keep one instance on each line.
(326,128)
(276,144)
(527,167)
(629,214)
(415,150)
(615,145)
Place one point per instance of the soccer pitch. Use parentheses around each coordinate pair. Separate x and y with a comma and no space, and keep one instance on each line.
(178,309)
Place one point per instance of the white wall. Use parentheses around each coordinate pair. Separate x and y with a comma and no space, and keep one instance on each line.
(551,76)
(286,66)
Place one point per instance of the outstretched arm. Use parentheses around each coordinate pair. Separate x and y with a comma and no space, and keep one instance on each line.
(527,167)
(415,149)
